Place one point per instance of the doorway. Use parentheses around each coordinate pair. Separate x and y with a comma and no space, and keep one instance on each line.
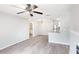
(30,30)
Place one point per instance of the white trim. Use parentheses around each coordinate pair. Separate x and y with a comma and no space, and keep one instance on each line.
(74,32)
(60,43)
(12,44)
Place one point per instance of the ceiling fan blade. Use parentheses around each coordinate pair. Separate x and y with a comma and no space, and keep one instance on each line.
(35,6)
(17,7)
(20,12)
(31,14)
(38,12)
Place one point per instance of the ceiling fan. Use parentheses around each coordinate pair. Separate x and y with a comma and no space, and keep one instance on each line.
(31,9)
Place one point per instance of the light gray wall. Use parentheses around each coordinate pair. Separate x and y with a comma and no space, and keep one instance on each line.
(35,28)
(45,27)
(74,28)
(75,17)
(12,30)
(61,11)
(59,38)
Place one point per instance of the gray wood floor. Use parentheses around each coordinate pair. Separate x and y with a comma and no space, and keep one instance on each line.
(36,45)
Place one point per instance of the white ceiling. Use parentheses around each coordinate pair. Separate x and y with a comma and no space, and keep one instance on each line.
(54,10)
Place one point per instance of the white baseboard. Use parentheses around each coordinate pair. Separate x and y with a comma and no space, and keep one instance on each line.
(60,43)
(74,32)
(11,44)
